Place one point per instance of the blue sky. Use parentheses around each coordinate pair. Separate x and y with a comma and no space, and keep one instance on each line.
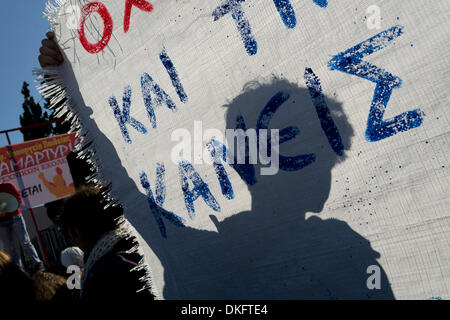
(22,29)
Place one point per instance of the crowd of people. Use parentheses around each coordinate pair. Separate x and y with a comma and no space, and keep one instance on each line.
(101,246)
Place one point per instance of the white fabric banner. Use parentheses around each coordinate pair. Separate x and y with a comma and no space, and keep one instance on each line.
(354,204)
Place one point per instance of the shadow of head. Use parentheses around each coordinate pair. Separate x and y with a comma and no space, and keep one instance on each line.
(314,134)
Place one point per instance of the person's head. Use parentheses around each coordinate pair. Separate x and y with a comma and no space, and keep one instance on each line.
(87,215)
(15,283)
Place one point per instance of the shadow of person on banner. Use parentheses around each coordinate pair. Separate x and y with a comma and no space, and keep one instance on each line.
(273,251)
(278,252)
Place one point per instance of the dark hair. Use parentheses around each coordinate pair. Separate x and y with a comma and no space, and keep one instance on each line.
(92,212)
(49,286)
(15,283)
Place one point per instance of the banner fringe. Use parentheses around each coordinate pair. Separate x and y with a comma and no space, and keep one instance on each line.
(50,84)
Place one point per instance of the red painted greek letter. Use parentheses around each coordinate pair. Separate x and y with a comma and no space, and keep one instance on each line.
(99,8)
(141,4)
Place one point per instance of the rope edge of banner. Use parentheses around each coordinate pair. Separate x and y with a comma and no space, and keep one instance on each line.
(51,85)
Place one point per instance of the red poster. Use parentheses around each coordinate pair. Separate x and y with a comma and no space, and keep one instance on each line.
(39,169)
